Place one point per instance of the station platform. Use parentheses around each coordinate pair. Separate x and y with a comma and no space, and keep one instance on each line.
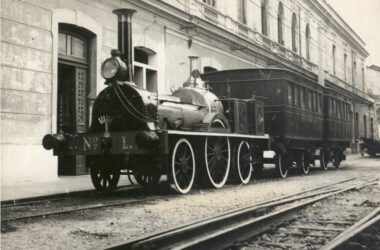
(61,186)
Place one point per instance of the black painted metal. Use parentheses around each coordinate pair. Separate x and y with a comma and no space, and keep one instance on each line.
(125,37)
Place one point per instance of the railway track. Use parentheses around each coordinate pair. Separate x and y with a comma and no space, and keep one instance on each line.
(233,228)
(364,234)
(128,195)
(42,208)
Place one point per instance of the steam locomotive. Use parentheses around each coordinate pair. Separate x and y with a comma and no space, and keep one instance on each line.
(195,135)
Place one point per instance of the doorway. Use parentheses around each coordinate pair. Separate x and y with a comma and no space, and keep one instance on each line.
(73,91)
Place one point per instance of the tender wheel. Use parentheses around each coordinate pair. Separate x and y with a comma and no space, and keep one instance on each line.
(281,166)
(104,179)
(147,180)
(183,166)
(302,164)
(322,160)
(244,162)
(217,160)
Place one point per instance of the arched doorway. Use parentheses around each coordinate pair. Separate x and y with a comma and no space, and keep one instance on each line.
(73,89)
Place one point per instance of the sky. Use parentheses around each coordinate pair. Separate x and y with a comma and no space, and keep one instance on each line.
(364,17)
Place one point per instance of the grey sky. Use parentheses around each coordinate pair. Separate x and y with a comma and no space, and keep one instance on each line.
(364,17)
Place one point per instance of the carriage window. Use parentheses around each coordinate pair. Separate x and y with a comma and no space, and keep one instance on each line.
(338,110)
(296,96)
(334,108)
(305,99)
(345,111)
(317,103)
(310,99)
(290,94)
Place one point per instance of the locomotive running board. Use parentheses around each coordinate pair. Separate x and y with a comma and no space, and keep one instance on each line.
(232,135)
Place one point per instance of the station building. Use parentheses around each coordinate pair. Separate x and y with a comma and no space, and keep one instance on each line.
(373,89)
(52,50)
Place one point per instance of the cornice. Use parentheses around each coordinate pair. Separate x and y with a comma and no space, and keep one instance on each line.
(344,30)
(211,30)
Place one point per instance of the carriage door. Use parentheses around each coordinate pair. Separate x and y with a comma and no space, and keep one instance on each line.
(72,110)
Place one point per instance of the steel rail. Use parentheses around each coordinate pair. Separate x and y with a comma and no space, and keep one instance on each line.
(136,201)
(52,197)
(351,232)
(81,208)
(221,231)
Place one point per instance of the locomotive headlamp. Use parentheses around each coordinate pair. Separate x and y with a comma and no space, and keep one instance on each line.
(114,67)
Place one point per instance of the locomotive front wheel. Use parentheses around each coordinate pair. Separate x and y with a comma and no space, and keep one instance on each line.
(217,160)
(244,162)
(281,166)
(302,164)
(183,166)
(104,179)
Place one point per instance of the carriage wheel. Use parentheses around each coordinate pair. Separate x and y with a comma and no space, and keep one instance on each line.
(104,179)
(147,180)
(281,166)
(303,165)
(322,160)
(183,166)
(244,162)
(217,159)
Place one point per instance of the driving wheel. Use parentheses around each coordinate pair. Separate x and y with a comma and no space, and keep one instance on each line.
(183,166)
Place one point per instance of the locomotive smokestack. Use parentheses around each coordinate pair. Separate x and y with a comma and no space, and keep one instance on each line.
(124,30)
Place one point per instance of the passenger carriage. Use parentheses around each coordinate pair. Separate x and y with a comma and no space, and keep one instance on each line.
(294,108)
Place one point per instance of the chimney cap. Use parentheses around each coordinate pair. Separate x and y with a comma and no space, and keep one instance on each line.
(124,11)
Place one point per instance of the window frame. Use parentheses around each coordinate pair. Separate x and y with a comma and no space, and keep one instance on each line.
(280,24)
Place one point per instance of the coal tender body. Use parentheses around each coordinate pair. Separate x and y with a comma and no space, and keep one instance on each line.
(191,136)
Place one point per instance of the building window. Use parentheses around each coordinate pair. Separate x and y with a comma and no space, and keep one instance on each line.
(294,32)
(243,11)
(264,17)
(280,23)
(211,3)
(307,38)
(345,67)
(145,72)
(333,59)
(354,73)
(363,79)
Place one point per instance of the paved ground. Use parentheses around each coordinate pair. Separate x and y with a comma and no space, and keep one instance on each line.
(62,185)
(97,229)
